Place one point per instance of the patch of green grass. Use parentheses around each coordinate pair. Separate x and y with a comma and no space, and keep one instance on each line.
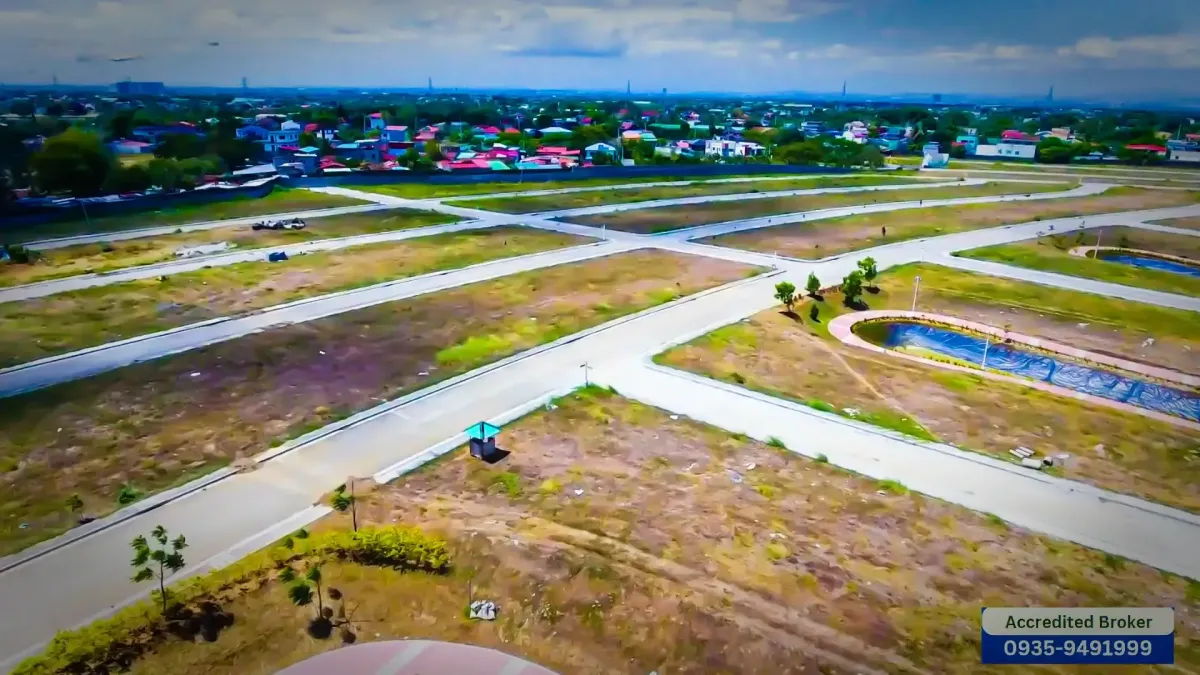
(1040,255)
(775,442)
(893,486)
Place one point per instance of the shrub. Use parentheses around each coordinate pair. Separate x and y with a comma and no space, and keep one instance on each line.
(400,547)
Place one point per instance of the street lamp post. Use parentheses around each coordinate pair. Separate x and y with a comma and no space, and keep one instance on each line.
(916,287)
(988,343)
(586,379)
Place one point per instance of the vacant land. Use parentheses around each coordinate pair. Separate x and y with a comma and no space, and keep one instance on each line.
(439,191)
(614,540)
(108,256)
(822,238)
(575,200)
(280,200)
(1114,177)
(64,322)
(149,424)
(1188,223)
(666,218)
(1051,254)
(1162,172)
(1120,451)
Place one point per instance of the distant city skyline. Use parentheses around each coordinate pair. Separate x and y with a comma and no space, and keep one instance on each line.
(1082,48)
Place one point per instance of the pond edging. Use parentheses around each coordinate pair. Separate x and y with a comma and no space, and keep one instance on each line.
(841,327)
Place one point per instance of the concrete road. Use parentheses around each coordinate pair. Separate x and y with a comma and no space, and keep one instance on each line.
(169,267)
(82,363)
(1165,538)
(732,226)
(121,235)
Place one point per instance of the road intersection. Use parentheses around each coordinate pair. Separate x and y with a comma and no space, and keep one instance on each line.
(69,581)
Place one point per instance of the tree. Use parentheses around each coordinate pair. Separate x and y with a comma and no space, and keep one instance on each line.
(852,288)
(543,121)
(806,152)
(343,502)
(74,161)
(869,270)
(179,146)
(159,562)
(55,109)
(135,178)
(813,286)
(870,156)
(785,292)
(434,151)
(302,590)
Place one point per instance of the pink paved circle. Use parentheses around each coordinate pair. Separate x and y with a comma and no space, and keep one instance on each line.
(414,657)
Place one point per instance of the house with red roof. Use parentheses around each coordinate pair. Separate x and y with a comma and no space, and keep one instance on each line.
(488,133)
(1146,147)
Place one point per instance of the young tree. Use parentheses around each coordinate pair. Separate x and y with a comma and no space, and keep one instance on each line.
(852,287)
(150,562)
(785,292)
(869,270)
(343,502)
(813,286)
(303,590)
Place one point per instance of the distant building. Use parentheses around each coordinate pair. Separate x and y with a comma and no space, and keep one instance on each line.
(140,88)
(812,128)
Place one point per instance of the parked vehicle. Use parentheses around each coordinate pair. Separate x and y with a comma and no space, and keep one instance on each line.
(288,224)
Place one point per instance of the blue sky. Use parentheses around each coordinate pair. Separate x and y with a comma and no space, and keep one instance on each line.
(1113,48)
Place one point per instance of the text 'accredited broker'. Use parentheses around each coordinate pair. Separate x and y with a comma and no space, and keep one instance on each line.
(1075,635)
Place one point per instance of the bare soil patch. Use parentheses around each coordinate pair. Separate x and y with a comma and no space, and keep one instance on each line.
(1189,223)
(151,424)
(108,256)
(614,541)
(1116,450)
(666,218)
(822,238)
(55,324)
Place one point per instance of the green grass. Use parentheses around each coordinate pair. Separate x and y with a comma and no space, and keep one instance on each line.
(280,200)
(1044,255)
(632,195)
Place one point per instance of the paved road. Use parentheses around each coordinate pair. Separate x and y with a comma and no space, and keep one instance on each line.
(80,281)
(476,219)
(730,227)
(1113,177)
(83,363)
(120,235)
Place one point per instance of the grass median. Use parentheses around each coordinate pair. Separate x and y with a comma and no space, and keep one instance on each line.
(280,200)
(613,539)
(148,424)
(822,238)
(667,218)
(575,200)
(65,322)
(797,358)
(1052,254)
(108,256)
(1192,223)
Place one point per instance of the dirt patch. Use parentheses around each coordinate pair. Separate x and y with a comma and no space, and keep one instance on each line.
(64,322)
(1116,450)
(149,424)
(108,256)
(577,200)
(823,238)
(614,541)
(665,218)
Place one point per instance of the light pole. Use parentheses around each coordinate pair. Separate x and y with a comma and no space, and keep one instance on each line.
(1099,233)
(988,343)
(916,287)
(586,380)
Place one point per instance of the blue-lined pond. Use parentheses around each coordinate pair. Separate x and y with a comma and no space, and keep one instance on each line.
(1062,372)
(1151,263)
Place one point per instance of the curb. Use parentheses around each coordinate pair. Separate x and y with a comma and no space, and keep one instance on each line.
(161,499)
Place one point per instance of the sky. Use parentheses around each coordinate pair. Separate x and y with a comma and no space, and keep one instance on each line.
(1084,48)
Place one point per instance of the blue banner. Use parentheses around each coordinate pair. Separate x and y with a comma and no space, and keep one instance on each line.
(1078,649)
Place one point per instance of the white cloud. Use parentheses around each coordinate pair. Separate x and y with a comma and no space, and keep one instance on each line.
(1177,50)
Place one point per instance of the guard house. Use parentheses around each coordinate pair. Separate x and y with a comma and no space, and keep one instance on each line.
(483,442)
